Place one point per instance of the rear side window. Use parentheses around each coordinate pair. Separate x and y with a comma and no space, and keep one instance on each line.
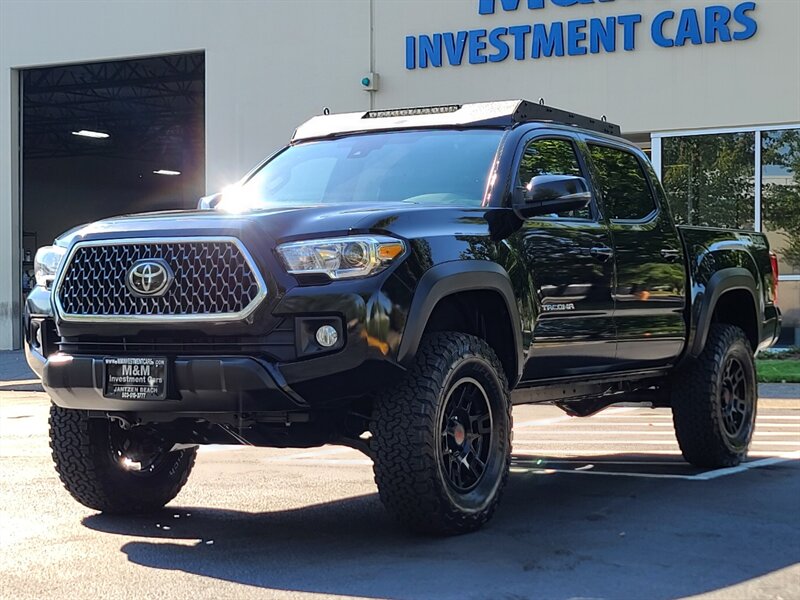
(546,156)
(623,183)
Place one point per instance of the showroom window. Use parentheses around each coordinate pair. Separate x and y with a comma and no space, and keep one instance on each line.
(741,179)
(710,179)
(780,196)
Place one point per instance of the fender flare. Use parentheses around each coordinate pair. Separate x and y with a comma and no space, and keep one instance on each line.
(725,280)
(451,278)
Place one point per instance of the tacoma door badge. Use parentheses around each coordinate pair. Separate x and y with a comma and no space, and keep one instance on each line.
(568,306)
(149,277)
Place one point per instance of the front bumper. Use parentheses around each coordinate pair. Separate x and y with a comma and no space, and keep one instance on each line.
(195,385)
(258,365)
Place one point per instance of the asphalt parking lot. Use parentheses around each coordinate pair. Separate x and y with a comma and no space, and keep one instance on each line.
(595,508)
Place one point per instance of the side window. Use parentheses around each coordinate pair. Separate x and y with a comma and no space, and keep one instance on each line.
(622,183)
(551,157)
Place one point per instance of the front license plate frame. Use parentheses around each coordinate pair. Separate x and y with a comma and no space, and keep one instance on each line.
(135,377)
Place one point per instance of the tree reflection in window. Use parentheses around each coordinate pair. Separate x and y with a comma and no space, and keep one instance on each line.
(626,194)
(710,179)
(780,195)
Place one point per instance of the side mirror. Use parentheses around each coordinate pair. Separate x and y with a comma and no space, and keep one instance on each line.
(551,194)
(209,202)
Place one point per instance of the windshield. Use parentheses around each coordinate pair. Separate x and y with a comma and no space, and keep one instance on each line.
(444,167)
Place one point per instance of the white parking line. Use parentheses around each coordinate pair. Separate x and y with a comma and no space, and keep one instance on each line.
(655,415)
(312,454)
(595,442)
(329,461)
(567,457)
(564,418)
(706,476)
(667,424)
(749,465)
(589,453)
(632,432)
(606,473)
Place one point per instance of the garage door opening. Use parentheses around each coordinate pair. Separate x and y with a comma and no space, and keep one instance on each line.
(109,138)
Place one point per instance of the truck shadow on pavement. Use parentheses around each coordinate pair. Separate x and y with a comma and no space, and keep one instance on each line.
(554,536)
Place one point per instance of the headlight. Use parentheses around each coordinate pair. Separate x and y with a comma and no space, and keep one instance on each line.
(341,258)
(46,263)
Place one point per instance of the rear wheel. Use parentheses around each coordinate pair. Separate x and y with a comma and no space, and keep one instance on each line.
(442,438)
(714,400)
(114,470)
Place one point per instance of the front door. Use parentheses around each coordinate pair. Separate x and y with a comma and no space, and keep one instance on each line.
(570,265)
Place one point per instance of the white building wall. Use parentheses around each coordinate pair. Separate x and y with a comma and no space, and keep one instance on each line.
(270,64)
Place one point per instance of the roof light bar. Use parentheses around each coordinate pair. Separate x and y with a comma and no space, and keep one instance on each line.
(98,135)
(409,112)
(503,114)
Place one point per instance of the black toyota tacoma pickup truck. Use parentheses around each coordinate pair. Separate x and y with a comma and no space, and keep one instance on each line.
(395,281)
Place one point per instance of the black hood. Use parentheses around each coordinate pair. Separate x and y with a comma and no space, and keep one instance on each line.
(277,224)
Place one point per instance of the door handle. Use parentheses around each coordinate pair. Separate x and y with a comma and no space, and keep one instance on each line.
(670,254)
(602,253)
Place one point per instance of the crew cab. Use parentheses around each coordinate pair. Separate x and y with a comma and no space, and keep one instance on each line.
(395,281)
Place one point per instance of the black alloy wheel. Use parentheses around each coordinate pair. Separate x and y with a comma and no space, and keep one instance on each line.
(736,400)
(135,454)
(466,435)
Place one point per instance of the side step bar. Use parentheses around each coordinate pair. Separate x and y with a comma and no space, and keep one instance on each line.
(582,398)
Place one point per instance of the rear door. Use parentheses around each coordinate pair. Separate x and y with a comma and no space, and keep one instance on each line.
(569,264)
(650,285)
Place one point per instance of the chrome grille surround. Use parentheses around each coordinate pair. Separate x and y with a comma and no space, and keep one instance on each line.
(216,279)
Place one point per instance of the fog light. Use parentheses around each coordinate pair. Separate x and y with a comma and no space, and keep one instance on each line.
(327,336)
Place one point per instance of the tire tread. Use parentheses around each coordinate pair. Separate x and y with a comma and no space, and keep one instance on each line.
(696,402)
(404,426)
(77,450)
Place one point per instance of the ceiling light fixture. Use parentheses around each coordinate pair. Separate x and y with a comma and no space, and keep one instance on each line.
(166,172)
(98,135)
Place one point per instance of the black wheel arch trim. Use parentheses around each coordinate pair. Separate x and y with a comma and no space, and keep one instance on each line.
(451,278)
(723,281)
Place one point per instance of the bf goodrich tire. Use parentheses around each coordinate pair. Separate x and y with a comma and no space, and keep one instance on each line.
(91,466)
(441,439)
(714,400)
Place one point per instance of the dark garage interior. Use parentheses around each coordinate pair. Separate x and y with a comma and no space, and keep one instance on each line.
(109,138)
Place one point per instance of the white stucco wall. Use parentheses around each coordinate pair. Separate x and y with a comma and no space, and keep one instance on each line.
(270,64)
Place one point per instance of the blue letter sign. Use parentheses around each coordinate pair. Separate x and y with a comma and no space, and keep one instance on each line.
(579,36)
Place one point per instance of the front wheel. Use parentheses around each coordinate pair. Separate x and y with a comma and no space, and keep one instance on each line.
(714,400)
(442,438)
(113,470)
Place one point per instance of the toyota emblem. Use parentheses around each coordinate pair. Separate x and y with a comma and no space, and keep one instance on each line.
(149,277)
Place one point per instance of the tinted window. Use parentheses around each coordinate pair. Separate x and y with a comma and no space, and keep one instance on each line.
(622,183)
(441,167)
(551,157)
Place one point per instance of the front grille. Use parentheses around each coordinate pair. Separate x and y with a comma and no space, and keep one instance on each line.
(213,278)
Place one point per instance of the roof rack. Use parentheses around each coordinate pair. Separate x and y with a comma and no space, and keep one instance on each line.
(479,114)
(539,111)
